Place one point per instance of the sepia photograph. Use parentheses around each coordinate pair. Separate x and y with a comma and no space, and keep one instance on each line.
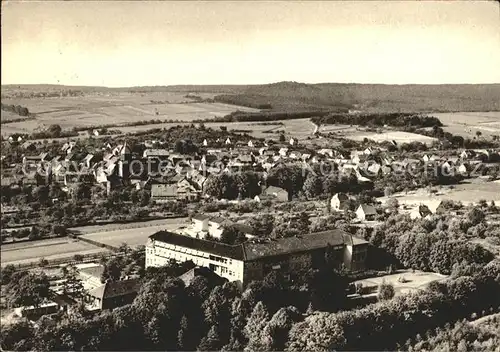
(250,175)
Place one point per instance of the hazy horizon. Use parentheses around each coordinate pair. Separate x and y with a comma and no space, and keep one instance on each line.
(131,44)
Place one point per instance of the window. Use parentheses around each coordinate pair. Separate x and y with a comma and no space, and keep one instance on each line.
(223,269)
(218,259)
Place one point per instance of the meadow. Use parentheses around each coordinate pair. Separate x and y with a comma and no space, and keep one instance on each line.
(117,108)
(466,124)
(468,192)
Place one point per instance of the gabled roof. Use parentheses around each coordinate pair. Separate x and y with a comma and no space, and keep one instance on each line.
(200,217)
(341,197)
(95,271)
(217,248)
(156,152)
(116,289)
(162,190)
(297,244)
(250,251)
(273,189)
(368,209)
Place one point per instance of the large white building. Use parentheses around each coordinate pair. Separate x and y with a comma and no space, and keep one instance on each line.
(252,260)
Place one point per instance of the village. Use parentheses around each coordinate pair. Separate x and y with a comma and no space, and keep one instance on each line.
(250,176)
(225,184)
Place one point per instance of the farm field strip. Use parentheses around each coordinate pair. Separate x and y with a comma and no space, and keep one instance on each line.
(467,193)
(47,251)
(72,112)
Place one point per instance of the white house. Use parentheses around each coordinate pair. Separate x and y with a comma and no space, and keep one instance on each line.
(283,152)
(339,201)
(366,212)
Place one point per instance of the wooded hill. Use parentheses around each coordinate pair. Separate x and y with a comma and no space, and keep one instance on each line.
(290,96)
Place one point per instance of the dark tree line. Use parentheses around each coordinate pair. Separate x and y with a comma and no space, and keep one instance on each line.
(206,316)
(16,109)
(435,244)
(229,186)
(381,119)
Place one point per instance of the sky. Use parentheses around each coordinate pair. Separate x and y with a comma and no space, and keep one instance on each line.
(117,44)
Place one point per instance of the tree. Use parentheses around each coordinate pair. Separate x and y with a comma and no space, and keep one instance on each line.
(478,134)
(221,186)
(275,333)
(262,224)
(54,130)
(40,194)
(212,341)
(112,270)
(232,235)
(385,291)
(18,336)
(28,289)
(475,216)
(388,191)
(313,185)
(282,138)
(6,273)
(81,191)
(72,285)
(255,326)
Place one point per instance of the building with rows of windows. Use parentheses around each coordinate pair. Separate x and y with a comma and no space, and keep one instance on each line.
(254,260)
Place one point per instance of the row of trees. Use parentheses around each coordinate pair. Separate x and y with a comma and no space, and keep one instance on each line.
(386,324)
(434,244)
(16,109)
(229,186)
(241,116)
(206,316)
(461,337)
(267,315)
(380,119)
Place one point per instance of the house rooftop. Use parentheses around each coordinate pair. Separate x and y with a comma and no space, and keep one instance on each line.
(116,288)
(217,248)
(200,217)
(95,271)
(297,244)
(273,189)
(368,209)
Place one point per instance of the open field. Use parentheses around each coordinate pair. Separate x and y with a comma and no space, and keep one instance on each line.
(71,112)
(415,281)
(467,124)
(468,192)
(115,235)
(49,249)
(358,133)
(397,136)
(112,234)
(167,223)
(133,237)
